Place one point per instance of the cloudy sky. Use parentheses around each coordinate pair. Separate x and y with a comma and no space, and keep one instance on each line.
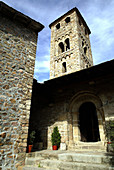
(99,15)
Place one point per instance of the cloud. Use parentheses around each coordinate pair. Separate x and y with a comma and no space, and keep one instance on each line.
(41,77)
(101,21)
(42,66)
(99,15)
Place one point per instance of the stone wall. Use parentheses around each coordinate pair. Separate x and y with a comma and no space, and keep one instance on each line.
(17,54)
(57,103)
(70,44)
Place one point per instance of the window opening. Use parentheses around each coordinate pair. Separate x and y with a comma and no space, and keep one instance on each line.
(87,66)
(64,69)
(67,44)
(67,20)
(82,43)
(61,47)
(85,50)
(58,26)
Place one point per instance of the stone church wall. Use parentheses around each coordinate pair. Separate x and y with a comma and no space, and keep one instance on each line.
(52,100)
(17,53)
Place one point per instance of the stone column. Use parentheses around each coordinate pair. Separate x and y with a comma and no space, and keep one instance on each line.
(100,122)
(76,131)
(70,128)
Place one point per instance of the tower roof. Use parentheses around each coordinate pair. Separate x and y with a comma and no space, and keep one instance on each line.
(70,11)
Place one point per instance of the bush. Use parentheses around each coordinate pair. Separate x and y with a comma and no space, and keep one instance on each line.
(110,135)
(56,137)
(32,137)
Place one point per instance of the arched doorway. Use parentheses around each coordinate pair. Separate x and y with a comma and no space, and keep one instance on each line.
(88,123)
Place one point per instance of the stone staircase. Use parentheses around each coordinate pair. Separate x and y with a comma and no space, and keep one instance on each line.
(85,146)
(66,160)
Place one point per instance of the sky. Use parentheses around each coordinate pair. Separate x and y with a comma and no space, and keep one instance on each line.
(98,14)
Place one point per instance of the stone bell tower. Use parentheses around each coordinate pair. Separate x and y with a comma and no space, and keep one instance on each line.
(70,44)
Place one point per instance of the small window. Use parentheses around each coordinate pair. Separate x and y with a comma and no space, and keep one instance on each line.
(85,50)
(58,26)
(64,69)
(61,47)
(67,20)
(67,44)
(82,43)
(87,66)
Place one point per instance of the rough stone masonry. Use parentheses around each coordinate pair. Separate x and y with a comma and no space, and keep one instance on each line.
(18,42)
(79,98)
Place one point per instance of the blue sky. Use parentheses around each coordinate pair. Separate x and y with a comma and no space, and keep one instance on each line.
(99,15)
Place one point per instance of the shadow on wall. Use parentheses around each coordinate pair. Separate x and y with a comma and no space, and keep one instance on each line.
(48,109)
(44,115)
(43,124)
(25,33)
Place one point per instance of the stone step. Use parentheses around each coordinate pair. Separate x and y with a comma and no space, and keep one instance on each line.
(87,147)
(67,160)
(33,161)
(44,154)
(86,158)
(61,165)
(33,168)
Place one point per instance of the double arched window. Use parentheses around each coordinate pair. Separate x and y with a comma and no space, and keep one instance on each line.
(64,46)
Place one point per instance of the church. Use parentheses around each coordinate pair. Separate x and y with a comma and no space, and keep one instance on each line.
(79,97)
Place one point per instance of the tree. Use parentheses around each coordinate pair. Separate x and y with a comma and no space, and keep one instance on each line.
(56,137)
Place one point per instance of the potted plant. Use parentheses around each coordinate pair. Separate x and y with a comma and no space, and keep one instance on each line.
(55,138)
(31,141)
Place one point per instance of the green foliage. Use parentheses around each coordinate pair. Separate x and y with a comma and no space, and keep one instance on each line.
(56,137)
(37,136)
(110,135)
(32,137)
(39,165)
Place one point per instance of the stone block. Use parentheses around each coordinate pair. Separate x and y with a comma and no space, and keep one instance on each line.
(63,146)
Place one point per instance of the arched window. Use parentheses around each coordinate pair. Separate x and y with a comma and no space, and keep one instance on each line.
(64,69)
(61,48)
(67,44)
(85,50)
(58,26)
(67,20)
(87,66)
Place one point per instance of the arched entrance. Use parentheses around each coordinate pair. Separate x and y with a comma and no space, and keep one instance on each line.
(88,123)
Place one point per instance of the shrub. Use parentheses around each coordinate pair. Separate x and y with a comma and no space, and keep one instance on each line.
(32,137)
(56,137)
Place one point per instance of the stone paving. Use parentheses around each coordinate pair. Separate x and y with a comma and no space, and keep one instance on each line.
(66,160)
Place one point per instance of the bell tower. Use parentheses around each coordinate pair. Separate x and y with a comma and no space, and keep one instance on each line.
(70,44)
